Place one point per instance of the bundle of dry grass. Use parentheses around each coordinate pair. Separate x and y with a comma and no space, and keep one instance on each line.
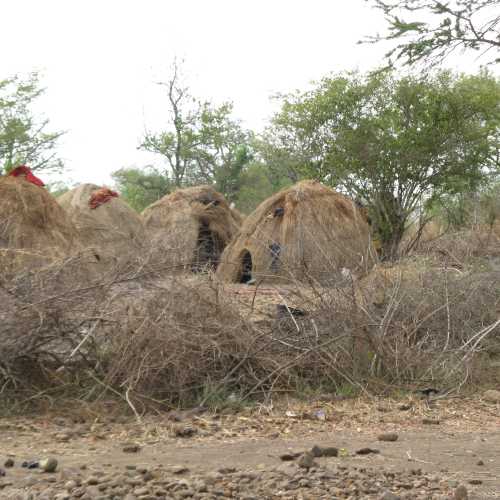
(462,247)
(307,230)
(113,229)
(429,318)
(34,229)
(190,228)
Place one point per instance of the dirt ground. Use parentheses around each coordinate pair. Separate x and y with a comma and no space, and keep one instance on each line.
(450,442)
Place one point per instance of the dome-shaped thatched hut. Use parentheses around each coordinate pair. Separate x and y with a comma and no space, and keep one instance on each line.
(34,229)
(190,228)
(307,230)
(107,224)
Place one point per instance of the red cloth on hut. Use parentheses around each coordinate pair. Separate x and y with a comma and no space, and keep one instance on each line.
(101,196)
(24,171)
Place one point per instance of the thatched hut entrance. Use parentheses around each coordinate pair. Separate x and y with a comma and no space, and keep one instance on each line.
(189,229)
(208,249)
(245,271)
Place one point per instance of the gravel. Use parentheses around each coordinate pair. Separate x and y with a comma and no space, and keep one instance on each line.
(301,479)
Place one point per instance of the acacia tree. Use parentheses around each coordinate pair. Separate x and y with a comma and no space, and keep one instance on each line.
(202,142)
(429,30)
(23,135)
(393,142)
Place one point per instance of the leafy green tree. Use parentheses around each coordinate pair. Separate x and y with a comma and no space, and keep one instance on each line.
(141,187)
(257,182)
(393,143)
(430,30)
(202,142)
(23,135)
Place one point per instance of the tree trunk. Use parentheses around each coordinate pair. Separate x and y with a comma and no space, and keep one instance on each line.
(389,225)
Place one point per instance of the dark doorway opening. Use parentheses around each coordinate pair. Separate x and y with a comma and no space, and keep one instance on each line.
(275,249)
(246,267)
(208,249)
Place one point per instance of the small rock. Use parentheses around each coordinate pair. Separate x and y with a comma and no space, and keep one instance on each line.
(79,492)
(388,437)
(492,396)
(179,469)
(134,481)
(475,482)
(227,470)
(147,476)
(367,451)
(48,464)
(288,457)
(63,496)
(30,464)
(70,485)
(200,486)
(2,473)
(404,407)
(319,451)
(184,431)
(131,448)
(9,463)
(306,461)
(480,462)
(92,492)
(430,421)
(461,493)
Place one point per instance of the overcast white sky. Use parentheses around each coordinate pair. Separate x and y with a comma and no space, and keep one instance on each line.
(100,60)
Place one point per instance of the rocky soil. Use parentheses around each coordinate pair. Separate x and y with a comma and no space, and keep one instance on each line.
(413,449)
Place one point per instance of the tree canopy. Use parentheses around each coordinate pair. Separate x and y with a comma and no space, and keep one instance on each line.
(141,187)
(389,142)
(430,30)
(23,135)
(202,143)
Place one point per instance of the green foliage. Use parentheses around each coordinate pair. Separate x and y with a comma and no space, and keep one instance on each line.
(461,210)
(392,143)
(141,187)
(455,24)
(202,143)
(256,184)
(23,136)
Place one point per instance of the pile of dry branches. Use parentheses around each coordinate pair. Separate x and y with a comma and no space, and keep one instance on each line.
(164,341)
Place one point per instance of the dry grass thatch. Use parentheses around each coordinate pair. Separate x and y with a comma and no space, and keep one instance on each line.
(34,229)
(113,229)
(306,230)
(190,228)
